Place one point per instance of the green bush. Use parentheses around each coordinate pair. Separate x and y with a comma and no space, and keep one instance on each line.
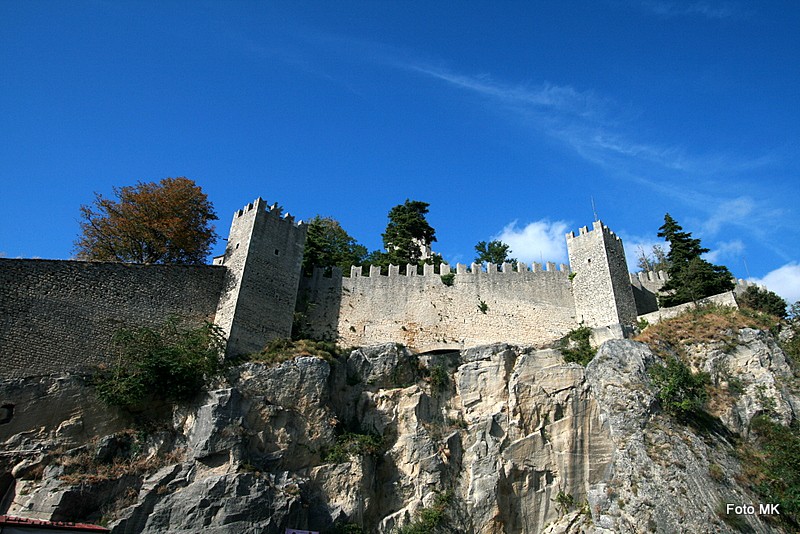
(431,519)
(483,307)
(763,300)
(353,444)
(169,364)
(448,279)
(565,502)
(774,466)
(439,378)
(576,346)
(681,392)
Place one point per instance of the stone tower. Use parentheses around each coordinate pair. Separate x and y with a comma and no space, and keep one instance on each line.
(263,257)
(601,285)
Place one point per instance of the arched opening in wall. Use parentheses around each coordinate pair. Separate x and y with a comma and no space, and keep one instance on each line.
(6,413)
(7,486)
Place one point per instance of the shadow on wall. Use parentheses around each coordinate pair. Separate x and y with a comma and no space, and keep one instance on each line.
(318,302)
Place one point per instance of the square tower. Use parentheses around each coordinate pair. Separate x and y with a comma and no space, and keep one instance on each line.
(601,284)
(263,257)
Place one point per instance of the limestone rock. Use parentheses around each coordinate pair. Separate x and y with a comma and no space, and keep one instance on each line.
(511,439)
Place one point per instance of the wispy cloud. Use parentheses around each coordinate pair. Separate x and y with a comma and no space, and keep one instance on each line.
(710,10)
(597,130)
(539,241)
(544,96)
(726,251)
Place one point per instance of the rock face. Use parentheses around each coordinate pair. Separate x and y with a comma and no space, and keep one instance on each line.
(500,439)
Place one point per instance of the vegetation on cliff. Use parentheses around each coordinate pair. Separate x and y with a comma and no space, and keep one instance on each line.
(576,346)
(167,364)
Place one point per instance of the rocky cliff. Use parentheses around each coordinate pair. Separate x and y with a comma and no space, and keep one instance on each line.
(495,439)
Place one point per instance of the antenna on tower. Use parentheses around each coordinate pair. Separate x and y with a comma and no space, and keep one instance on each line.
(594,210)
(745,267)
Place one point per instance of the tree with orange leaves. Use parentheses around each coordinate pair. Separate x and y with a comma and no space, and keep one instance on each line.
(164,222)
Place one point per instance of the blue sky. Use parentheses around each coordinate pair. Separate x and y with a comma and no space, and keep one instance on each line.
(509,118)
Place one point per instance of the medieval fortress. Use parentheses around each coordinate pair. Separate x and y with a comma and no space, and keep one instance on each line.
(58,315)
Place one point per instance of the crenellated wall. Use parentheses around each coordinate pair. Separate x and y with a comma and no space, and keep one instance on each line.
(525,306)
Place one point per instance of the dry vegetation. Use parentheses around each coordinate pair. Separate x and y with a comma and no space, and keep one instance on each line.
(281,350)
(85,467)
(704,324)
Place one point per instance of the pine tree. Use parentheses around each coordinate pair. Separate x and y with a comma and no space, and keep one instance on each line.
(690,277)
(407,234)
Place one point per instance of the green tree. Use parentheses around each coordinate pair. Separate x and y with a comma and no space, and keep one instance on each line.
(493,252)
(329,245)
(165,222)
(763,300)
(681,392)
(690,277)
(407,234)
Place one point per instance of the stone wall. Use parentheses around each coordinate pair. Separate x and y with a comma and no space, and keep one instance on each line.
(61,315)
(723,299)
(645,290)
(529,307)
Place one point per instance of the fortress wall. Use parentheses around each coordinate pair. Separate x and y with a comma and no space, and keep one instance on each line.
(645,287)
(59,315)
(319,299)
(420,311)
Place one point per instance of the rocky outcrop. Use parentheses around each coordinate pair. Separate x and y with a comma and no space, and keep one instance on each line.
(510,439)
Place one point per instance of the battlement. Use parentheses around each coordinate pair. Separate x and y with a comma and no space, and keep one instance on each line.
(644,278)
(475,269)
(596,226)
(260,206)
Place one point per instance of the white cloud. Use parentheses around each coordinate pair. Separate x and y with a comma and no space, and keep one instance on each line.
(539,241)
(726,251)
(785,281)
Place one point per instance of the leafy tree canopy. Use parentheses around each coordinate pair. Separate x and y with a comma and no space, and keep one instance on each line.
(329,245)
(763,301)
(165,222)
(493,252)
(690,277)
(407,233)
